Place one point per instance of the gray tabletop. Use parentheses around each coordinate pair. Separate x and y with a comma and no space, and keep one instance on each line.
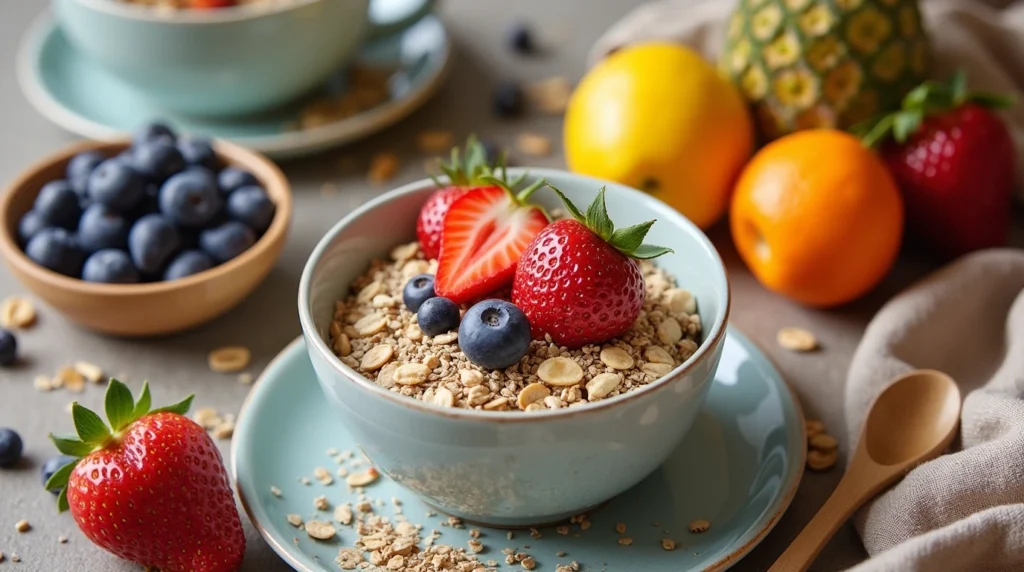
(266,322)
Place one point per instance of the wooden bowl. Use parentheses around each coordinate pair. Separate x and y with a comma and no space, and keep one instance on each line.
(153,308)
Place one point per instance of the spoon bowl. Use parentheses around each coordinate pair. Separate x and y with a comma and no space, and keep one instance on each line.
(913,420)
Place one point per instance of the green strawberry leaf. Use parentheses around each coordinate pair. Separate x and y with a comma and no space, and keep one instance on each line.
(62,500)
(630,238)
(89,426)
(597,217)
(958,87)
(905,123)
(71,445)
(569,206)
(119,405)
(648,251)
(144,403)
(59,479)
(524,195)
(180,407)
(992,100)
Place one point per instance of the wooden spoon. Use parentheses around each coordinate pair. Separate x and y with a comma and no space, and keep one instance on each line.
(912,421)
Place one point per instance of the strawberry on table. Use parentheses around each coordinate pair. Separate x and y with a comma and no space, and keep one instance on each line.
(953,160)
(579,281)
(485,232)
(465,172)
(151,487)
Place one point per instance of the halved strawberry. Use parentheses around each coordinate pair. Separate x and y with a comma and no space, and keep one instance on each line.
(466,171)
(485,233)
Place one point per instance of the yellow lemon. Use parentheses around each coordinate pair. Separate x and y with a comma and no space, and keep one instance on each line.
(659,118)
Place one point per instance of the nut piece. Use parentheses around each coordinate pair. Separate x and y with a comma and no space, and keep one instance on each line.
(499,404)
(533,144)
(560,371)
(668,544)
(362,479)
(370,325)
(349,558)
(820,461)
(658,354)
(824,442)
(17,312)
(275,491)
(22,526)
(294,520)
(369,291)
(656,370)
(470,377)
(550,95)
(404,252)
(669,331)
(320,530)
(342,345)
(602,385)
(377,357)
(229,359)
(383,167)
(435,141)
(343,513)
(478,395)
(69,377)
(616,358)
(443,397)
(42,383)
(411,374)
(680,301)
(796,339)
(320,503)
(323,475)
(625,541)
(533,393)
(89,371)
(699,525)
(813,427)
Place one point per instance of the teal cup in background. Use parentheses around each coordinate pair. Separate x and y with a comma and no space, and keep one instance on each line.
(229,61)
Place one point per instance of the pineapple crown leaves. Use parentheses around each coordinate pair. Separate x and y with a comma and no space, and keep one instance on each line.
(929,98)
(93,434)
(628,241)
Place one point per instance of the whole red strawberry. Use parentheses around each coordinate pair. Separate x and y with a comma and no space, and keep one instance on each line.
(953,160)
(578,281)
(465,172)
(151,487)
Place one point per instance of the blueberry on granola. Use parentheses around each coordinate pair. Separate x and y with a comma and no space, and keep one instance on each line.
(418,290)
(438,315)
(494,334)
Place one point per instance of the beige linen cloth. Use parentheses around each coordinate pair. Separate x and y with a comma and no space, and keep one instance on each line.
(965,510)
(985,37)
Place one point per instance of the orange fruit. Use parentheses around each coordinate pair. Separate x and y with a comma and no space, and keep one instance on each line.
(817,217)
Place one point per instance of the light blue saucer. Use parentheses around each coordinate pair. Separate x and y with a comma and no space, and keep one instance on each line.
(79,96)
(738,468)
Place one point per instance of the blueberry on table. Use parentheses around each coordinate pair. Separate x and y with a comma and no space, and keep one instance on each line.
(10,447)
(188,263)
(102,227)
(52,465)
(117,185)
(56,249)
(494,334)
(199,151)
(509,100)
(110,266)
(8,348)
(232,178)
(227,241)
(152,241)
(157,160)
(29,225)
(190,198)
(520,39)
(80,166)
(153,131)
(418,290)
(251,206)
(57,205)
(438,315)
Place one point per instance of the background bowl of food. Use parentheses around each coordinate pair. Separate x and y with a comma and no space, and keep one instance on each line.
(145,237)
(560,431)
(229,59)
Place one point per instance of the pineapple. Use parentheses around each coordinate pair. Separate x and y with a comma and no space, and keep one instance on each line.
(804,64)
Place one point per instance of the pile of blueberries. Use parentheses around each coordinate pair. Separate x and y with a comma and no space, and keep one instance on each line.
(494,334)
(163,209)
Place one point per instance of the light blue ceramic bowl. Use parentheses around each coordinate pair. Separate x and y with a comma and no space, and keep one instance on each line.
(228,61)
(511,468)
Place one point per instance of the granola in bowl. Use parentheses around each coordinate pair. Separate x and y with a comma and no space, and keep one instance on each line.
(376,335)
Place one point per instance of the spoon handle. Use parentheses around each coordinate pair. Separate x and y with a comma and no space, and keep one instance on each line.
(847,497)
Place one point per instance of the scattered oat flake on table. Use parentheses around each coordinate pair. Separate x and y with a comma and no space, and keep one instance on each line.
(323,475)
(668,544)
(533,144)
(294,520)
(320,503)
(362,479)
(435,141)
(69,378)
(62,539)
(207,417)
(699,525)
(625,541)
(383,167)
(550,95)
(17,312)
(320,530)
(15,557)
(245,378)
(22,526)
(229,359)
(224,430)
(796,339)
(42,383)
(328,190)
(275,491)
(89,371)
